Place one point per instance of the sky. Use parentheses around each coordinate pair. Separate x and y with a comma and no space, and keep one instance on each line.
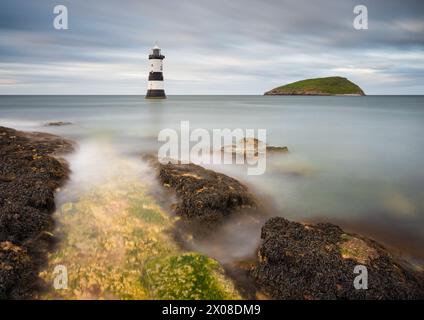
(211,47)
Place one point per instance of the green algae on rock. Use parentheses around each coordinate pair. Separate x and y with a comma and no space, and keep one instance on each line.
(188,276)
(111,234)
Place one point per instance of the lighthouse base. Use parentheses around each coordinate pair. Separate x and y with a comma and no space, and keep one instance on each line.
(155,94)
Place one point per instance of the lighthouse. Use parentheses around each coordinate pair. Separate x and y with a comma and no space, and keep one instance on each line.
(155,88)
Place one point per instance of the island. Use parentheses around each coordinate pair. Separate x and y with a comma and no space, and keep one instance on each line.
(330,86)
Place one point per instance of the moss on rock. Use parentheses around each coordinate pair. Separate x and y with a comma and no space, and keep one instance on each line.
(113,237)
(187,276)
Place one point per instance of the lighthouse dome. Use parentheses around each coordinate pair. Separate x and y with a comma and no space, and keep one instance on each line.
(156,51)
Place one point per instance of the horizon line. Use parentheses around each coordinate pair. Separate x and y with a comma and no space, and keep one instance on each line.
(181,95)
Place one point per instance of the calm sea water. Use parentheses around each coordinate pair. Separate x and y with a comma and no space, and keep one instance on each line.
(354,161)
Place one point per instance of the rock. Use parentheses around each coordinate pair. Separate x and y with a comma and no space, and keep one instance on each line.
(58,123)
(252,146)
(29,176)
(204,196)
(299,261)
(15,267)
(277,149)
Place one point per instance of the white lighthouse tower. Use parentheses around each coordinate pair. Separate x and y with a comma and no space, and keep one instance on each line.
(155,88)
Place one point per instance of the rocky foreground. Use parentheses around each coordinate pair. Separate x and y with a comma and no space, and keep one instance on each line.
(294,260)
(204,197)
(299,261)
(30,173)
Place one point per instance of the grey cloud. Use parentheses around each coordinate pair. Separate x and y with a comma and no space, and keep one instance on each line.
(258,43)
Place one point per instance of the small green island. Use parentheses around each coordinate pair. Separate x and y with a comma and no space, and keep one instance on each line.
(330,86)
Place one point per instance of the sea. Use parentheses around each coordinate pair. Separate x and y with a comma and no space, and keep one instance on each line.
(357,162)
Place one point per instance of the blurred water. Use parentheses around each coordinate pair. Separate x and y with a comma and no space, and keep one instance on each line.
(355,161)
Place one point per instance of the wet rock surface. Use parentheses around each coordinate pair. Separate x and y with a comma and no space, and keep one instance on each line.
(29,175)
(252,146)
(298,261)
(277,149)
(204,197)
(58,123)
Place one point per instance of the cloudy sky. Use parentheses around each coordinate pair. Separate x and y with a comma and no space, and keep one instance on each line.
(211,47)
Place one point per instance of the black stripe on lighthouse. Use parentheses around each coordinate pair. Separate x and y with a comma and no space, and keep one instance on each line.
(160,94)
(155,87)
(158,76)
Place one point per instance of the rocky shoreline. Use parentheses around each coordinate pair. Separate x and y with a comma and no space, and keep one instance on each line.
(294,260)
(30,172)
(301,261)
